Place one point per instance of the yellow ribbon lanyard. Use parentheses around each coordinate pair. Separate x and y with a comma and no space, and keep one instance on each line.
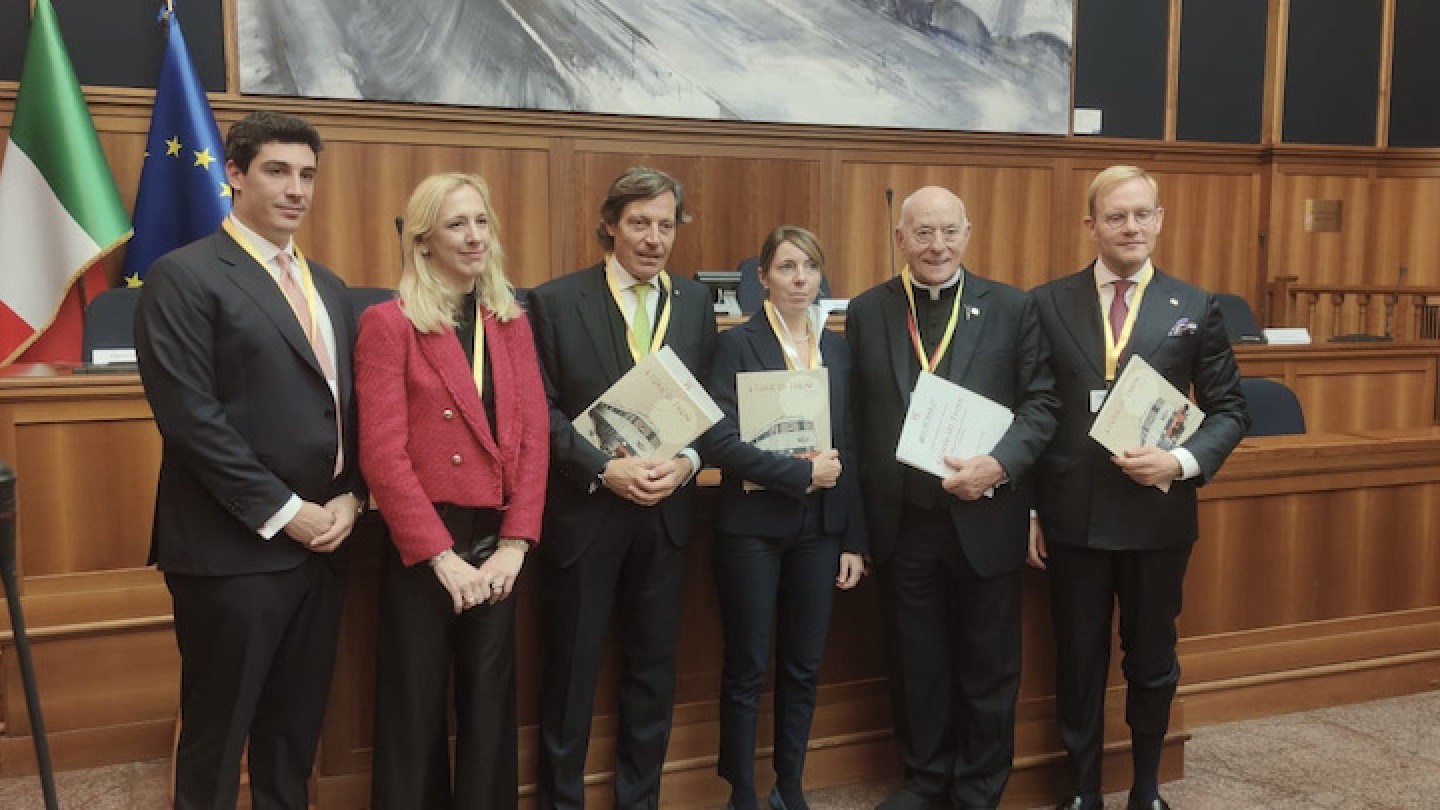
(1113,347)
(479,348)
(934,361)
(787,343)
(658,338)
(307,282)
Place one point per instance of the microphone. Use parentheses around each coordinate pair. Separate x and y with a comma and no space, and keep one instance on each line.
(400,237)
(890,225)
(9,576)
(1394,301)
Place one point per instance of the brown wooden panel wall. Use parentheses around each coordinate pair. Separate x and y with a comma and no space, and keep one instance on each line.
(1353,387)
(1234,214)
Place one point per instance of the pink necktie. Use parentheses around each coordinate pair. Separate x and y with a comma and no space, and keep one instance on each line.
(1119,310)
(298,302)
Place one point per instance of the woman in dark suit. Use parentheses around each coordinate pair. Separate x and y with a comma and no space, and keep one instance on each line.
(454,440)
(780,551)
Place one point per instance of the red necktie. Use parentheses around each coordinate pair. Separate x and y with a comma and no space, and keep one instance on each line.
(298,302)
(1119,310)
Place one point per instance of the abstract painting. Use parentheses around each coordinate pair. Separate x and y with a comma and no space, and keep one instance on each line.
(975,65)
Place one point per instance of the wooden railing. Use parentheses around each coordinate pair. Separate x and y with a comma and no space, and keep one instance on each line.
(1330,310)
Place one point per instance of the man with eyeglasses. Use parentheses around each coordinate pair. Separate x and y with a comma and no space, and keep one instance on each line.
(949,551)
(615,528)
(1120,528)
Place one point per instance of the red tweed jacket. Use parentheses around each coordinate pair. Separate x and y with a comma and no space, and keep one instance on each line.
(424,438)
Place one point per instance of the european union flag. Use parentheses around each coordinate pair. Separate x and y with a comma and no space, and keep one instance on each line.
(183,194)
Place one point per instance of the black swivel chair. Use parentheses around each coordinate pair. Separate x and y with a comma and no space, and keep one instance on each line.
(750,294)
(1274,408)
(362,298)
(1240,323)
(110,322)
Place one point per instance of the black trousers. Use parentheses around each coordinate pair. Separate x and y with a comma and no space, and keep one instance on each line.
(421,643)
(256,655)
(636,571)
(787,583)
(955,664)
(1085,585)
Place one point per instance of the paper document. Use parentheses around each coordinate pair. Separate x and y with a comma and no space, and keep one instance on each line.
(1144,410)
(654,411)
(785,412)
(947,420)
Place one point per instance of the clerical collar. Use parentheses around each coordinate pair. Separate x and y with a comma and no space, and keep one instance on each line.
(937,290)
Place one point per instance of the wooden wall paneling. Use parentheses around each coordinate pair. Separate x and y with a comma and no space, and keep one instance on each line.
(1391,393)
(1321,258)
(1209,236)
(1384,80)
(1331,381)
(85,479)
(1402,203)
(734,197)
(1009,204)
(1172,69)
(364,183)
(1277,34)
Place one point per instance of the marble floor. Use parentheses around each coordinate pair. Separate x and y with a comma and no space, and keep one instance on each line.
(1370,756)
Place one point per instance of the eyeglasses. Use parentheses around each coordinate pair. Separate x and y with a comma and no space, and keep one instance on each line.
(925,237)
(790,269)
(1144,218)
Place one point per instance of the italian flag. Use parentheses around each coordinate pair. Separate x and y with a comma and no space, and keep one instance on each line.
(59,210)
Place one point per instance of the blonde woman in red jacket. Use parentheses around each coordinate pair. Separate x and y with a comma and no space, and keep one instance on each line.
(454,441)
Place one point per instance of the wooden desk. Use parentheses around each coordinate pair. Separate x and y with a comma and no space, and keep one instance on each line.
(1354,386)
(1316,582)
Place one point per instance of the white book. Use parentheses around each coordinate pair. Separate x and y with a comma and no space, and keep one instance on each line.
(1288,336)
(1144,410)
(656,410)
(785,412)
(946,419)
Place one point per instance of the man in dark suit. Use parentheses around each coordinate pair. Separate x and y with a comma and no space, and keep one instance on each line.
(949,551)
(1110,532)
(615,528)
(245,352)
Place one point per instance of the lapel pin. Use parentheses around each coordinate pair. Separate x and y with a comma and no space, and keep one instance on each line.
(1174,302)
(972,312)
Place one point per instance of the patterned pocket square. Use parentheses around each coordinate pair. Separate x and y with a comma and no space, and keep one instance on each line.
(1184,326)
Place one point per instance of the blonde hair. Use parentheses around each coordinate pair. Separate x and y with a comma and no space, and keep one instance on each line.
(1114,176)
(427,302)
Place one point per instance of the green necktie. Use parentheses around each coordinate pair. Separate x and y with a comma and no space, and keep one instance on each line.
(640,320)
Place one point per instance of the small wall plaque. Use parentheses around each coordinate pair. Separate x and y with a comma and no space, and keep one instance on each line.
(1323,216)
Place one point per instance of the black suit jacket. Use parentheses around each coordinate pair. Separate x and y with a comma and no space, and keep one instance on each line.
(580,339)
(1083,498)
(779,509)
(998,352)
(243,407)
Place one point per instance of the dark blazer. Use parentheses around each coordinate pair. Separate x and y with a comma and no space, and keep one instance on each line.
(424,436)
(778,510)
(1077,478)
(580,339)
(998,352)
(242,405)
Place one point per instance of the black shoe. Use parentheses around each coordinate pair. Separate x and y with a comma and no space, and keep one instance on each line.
(1083,801)
(1156,803)
(903,799)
